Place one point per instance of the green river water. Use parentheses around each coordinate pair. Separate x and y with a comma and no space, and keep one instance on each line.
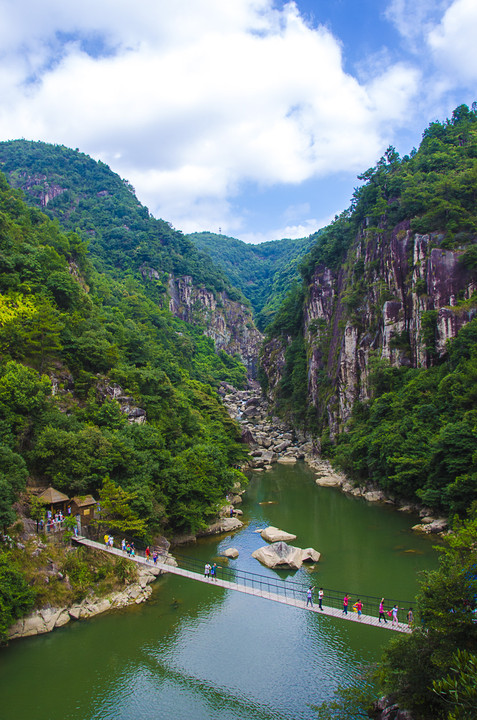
(196,652)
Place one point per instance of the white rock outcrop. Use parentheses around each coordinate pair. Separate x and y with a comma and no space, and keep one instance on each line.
(47,619)
(272,534)
(280,554)
(231,553)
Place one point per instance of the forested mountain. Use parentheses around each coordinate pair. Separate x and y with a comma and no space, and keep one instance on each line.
(124,240)
(376,351)
(264,273)
(85,196)
(98,381)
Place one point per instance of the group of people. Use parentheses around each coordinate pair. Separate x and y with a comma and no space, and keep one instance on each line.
(148,555)
(52,523)
(210,571)
(309,597)
(358,607)
(394,614)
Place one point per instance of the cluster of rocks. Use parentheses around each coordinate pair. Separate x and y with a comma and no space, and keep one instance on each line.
(47,619)
(280,554)
(429,523)
(270,440)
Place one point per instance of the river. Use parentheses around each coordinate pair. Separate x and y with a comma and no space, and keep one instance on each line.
(196,652)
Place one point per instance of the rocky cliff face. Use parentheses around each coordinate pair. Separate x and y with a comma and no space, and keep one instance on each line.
(399,294)
(227,322)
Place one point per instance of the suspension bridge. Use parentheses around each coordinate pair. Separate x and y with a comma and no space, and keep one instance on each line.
(283,591)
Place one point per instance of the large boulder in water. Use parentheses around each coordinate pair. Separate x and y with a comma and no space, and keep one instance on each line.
(310,555)
(279,554)
(273,535)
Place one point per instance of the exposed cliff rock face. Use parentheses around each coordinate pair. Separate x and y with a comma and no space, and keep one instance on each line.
(38,186)
(227,322)
(397,294)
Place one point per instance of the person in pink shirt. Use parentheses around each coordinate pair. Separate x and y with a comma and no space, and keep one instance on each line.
(345,604)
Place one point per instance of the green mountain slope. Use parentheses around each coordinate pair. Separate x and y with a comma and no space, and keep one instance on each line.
(99,381)
(263,273)
(379,344)
(87,197)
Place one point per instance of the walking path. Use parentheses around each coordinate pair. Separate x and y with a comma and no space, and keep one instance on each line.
(252,584)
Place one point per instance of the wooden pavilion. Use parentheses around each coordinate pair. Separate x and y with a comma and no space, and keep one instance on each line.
(54,498)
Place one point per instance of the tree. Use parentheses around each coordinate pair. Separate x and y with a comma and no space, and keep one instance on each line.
(419,668)
(16,597)
(458,689)
(115,511)
(13,474)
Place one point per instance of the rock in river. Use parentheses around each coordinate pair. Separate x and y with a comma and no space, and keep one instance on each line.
(278,554)
(274,535)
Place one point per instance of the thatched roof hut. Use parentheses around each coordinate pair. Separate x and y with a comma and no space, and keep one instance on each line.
(50,496)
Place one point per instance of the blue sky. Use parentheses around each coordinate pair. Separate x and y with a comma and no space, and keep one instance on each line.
(248,117)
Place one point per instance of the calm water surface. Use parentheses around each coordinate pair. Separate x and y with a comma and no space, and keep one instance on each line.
(196,652)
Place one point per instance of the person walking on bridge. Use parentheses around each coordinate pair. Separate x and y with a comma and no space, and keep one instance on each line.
(320,598)
(309,596)
(345,604)
(395,614)
(207,571)
(381,611)
(358,607)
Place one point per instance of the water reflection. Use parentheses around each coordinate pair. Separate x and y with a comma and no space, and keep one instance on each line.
(199,652)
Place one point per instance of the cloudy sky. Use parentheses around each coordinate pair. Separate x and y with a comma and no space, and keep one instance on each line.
(247,117)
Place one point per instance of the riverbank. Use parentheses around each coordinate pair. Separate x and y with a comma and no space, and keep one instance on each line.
(72,584)
(272,441)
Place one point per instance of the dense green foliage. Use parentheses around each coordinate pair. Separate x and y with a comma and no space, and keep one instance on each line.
(417,436)
(433,671)
(95,335)
(87,198)
(434,187)
(16,597)
(264,273)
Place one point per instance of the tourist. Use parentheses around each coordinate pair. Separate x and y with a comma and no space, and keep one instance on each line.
(111,541)
(232,511)
(213,571)
(320,598)
(395,617)
(154,557)
(207,571)
(147,553)
(410,617)
(358,607)
(106,540)
(381,611)
(309,596)
(345,604)
(128,549)
(123,545)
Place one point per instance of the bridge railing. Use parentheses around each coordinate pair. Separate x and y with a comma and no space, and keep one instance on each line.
(293,589)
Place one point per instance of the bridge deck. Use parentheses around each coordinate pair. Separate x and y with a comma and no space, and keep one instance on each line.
(248,590)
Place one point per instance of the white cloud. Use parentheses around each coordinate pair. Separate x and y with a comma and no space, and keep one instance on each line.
(414,19)
(190,100)
(454,42)
(306,227)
